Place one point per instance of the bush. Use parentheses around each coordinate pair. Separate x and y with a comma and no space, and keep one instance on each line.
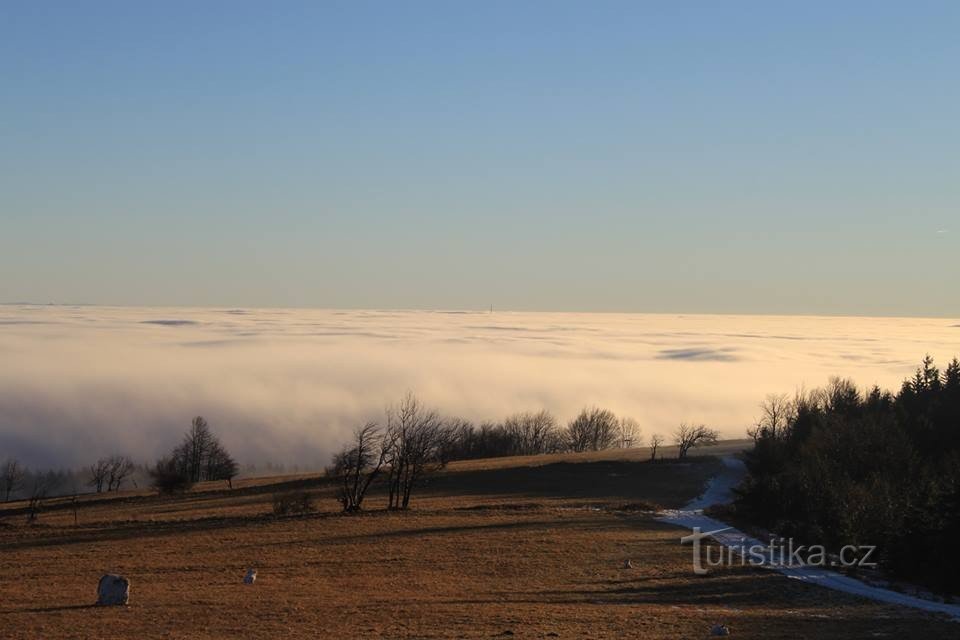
(169,478)
(292,502)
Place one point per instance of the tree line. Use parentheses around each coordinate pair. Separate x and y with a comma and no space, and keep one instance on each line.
(415,441)
(535,433)
(199,456)
(837,466)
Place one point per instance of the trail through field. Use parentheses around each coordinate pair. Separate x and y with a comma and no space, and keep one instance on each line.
(720,491)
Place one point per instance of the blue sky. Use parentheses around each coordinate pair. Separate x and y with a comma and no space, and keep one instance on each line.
(595,156)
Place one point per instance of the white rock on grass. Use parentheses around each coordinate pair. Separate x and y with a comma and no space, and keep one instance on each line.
(251,576)
(113,590)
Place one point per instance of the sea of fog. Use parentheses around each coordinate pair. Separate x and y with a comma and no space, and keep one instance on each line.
(285,386)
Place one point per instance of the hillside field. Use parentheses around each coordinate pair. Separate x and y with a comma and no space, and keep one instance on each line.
(513,547)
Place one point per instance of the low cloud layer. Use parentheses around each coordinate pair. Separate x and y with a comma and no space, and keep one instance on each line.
(286,386)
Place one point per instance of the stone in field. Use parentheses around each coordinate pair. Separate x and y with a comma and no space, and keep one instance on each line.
(113,590)
(251,577)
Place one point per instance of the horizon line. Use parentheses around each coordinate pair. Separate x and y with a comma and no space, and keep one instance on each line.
(484,311)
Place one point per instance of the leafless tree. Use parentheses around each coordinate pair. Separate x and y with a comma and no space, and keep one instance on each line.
(532,433)
(688,436)
(199,456)
(42,483)
(98,473)
(627,433)
(120,469)
(655,441)
(592,430)
(359,464)
(195,449)
(220,465)
(109,473)
(416,441)
(776,414)
(11,477)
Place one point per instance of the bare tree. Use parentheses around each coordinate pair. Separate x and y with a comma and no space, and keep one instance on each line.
(359,464)
(777,412)
(592,430)
(627,433)
(119,469)
(42,483)
(532,433)
(416,439)
(220,465)
(11,477)
(98,473)
(195,448)
(109,473)
(199,456)
(655,441)
(689,436)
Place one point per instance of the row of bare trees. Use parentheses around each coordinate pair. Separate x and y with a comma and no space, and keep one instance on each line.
(36,486)
(108,474)
(415,441)
(199,456)
(16,480)
(533,433)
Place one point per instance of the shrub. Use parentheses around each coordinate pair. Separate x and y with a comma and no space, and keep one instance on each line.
(292,502)
(170,478)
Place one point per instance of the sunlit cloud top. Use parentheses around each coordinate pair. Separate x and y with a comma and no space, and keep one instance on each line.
(285,386)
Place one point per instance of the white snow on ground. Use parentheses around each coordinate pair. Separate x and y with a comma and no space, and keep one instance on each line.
(720,491)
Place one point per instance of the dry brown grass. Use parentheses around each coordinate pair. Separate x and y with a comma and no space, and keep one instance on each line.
(488,549)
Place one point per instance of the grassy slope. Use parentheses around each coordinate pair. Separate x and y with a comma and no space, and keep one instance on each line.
(532,546)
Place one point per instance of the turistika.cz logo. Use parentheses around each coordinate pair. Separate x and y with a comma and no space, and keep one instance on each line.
(780,553)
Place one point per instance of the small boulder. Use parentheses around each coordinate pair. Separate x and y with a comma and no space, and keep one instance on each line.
(113,590)
(251,576)
(720,630)
(627,564)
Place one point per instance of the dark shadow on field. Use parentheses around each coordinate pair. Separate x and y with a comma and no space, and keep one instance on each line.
(781,608)
(679,588)
(137,529)
(580,524)
(742,588)
(667,483)
(176,528)
(64,503)
(66,607)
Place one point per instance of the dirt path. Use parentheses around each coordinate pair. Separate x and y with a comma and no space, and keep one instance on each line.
(720,491)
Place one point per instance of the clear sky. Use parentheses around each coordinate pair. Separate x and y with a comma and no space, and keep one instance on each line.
(634,156)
